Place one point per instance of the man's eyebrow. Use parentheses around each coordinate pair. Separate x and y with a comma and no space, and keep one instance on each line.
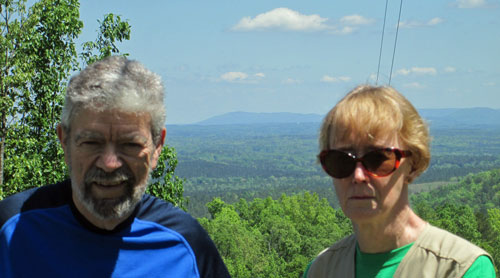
(133,137)
(87,134)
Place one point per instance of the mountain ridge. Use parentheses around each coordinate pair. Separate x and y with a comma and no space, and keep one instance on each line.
(240,117)
(445,117)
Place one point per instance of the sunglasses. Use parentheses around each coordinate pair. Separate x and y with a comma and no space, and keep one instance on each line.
(378,163)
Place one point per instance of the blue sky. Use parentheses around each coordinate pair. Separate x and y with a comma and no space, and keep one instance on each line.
(303,56)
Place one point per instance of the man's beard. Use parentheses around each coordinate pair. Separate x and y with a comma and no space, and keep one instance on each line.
(109,208)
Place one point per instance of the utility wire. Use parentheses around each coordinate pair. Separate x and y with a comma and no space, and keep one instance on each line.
(395,41)
(381,42)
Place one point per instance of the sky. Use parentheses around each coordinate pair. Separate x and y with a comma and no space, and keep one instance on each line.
(301,56)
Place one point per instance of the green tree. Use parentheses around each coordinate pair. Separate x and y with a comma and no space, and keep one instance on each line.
(241,246)
(111,30)
(166,185)
(457,219)
(37,55)
(273,238)
(491,235)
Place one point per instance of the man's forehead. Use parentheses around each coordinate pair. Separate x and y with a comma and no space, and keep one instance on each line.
(94,121)
(127,134)
(111,116)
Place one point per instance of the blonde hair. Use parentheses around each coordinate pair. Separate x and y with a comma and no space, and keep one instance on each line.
(372,112)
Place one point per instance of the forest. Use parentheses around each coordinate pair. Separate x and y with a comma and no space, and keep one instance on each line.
(270,209)
(249,161)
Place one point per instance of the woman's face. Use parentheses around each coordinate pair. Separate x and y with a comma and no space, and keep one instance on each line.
(365,197)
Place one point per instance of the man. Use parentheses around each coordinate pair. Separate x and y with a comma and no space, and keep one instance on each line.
(100,223)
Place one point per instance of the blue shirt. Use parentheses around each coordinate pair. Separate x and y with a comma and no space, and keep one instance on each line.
(44,235)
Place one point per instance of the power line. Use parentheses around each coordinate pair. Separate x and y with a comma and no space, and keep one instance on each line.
(395,40)
(381,41)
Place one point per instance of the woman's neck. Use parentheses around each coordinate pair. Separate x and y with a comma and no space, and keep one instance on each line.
(382,235)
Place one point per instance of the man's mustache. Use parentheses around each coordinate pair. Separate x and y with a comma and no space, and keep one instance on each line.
(97,175)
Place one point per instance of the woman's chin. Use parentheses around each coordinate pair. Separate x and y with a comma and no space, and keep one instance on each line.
(362,213)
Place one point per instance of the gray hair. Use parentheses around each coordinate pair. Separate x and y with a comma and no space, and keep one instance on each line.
(116,83)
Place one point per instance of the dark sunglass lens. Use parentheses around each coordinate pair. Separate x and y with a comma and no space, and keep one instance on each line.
(380,162)
(338,164)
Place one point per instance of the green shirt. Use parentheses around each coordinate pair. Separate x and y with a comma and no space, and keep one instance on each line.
(383,265)
(380,265)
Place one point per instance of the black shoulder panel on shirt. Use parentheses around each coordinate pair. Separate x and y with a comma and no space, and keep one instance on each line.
(47,196)
(208,259)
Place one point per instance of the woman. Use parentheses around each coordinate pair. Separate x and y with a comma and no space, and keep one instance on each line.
(373,144)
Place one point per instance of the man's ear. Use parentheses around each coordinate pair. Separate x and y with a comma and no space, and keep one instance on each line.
(63,139)
(62,135)
(158,148)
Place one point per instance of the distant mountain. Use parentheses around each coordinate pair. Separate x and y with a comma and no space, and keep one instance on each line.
(437,118)
(462,118)
(260,118)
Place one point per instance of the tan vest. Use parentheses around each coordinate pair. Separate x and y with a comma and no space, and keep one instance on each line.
(435,253)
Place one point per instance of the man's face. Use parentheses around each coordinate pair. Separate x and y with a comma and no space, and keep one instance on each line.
(110,155)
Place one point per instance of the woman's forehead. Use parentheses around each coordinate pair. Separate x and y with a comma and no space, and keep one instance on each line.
(363,140)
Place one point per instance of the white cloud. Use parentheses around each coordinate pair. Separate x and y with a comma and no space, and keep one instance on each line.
(416,70)
(489,84)
(291,81)
(327,78)
(234,76)
(349,24)
(409,24)
(290,20)
(331,79)
(450,69)
(415,24)
(434,21)
(414,85)
(403,72)
(344,31)
(282,18)
(470,4)
(241,77)
(355,20)
(431,71)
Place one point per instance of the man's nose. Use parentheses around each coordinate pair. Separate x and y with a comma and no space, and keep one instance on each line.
(109,160)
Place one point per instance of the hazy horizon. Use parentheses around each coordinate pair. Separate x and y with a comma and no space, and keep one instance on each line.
(273,117)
